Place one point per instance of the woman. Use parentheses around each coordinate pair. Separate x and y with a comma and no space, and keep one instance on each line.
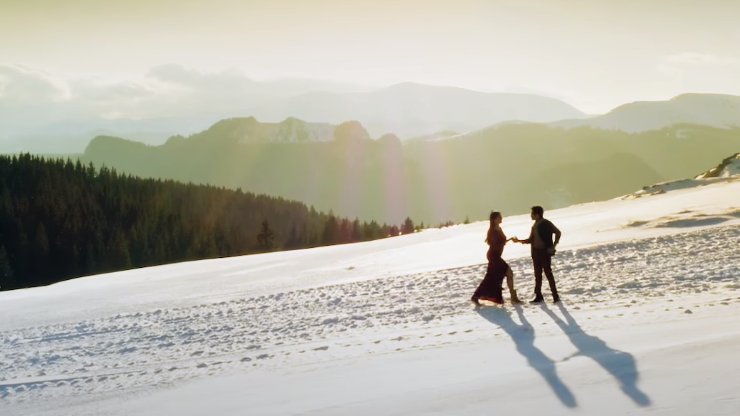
(490,287)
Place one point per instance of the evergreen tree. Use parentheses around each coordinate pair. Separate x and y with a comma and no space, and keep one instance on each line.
(408,226)
(331,231)
(345,231)
(119,257)
(265,237)
(293,240)
(41,242)
(6,272)
(356,231)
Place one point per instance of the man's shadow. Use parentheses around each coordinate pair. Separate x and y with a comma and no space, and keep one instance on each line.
(621,365)
(523,336)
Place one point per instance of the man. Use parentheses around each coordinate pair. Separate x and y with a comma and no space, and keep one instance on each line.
(543,248)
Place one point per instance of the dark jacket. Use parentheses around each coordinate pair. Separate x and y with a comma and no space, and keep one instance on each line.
(545,229)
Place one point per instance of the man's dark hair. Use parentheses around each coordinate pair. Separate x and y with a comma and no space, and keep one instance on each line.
(538,210)
(493,215)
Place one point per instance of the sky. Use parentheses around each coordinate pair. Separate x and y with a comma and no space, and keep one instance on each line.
(594,54)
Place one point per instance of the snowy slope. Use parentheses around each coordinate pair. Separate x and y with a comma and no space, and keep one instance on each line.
(651,289)
(728,168)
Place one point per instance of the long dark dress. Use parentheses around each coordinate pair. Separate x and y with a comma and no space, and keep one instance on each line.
(496,241)
(490,287)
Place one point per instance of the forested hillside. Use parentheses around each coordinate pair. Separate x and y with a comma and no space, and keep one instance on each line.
(505,168)
(60,219)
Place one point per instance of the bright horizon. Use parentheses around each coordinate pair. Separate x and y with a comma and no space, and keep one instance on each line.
(592,55)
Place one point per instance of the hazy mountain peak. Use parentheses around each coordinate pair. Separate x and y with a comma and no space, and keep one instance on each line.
(690,96)
(714,110)
(390,141)
(250,130)
(233,122)
(436,136)
(417,87)
(390,137)
(410,109)
(351,131)
(123,149)
(105,140)
(292,120)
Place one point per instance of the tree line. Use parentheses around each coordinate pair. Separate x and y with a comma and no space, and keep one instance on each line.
(61,219)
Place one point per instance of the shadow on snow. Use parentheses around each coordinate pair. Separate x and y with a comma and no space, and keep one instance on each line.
(621,365)
(523,336)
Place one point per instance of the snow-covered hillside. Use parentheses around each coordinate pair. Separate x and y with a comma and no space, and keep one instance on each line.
(651,290)
(730,167)
(727,171)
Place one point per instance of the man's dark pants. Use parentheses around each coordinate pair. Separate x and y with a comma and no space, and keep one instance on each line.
(541,260)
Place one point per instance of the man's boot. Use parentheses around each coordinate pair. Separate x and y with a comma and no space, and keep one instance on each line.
(555,298)
(537,299)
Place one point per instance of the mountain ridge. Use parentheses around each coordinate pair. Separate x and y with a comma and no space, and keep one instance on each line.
(715,110)
(432,181)
(410,109)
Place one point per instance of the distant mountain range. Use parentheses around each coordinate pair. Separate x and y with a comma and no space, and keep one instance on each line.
(410,109)
(248,130)
(340,168)
(716,110)
(407,110)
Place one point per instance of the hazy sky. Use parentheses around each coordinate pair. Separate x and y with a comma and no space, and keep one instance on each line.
(593,54)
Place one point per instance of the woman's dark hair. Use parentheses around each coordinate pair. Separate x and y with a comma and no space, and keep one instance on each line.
(491,227)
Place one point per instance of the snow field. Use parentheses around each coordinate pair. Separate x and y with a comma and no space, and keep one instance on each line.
(632,281)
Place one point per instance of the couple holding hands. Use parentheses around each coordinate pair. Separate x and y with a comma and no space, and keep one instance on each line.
(543,248)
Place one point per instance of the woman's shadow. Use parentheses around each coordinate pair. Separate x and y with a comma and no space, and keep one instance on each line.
(523,336)
(621,365)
